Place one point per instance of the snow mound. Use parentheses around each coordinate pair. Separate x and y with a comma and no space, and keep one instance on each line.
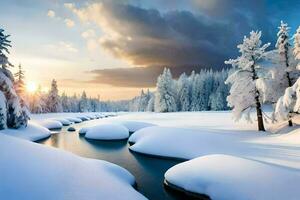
(107,132)
(64,122)
(83,118)
(32,171)
(74,119)
(50,124)
(83,130)
(134,126)
(180,142)
(32,132)
(236,178)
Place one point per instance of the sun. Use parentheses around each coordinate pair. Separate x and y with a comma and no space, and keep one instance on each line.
(31,87)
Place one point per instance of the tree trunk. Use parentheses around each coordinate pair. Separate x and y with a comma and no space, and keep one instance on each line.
(260,121)
(289,79)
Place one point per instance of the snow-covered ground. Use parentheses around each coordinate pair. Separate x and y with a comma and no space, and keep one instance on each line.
(229,160)
(33,171)
(226,177)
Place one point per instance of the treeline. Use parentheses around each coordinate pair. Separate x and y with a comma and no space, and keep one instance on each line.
(197,92)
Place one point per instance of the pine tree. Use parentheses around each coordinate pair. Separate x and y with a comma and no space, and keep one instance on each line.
(296,51)
(244,94)
(83,103)
(16,116)
(284,47)
(2,111)
(165,93)
(183,93)
(53,100)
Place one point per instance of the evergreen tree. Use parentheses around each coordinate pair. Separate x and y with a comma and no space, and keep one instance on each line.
(183,93)
(83,103)
(16,117)
(244,94)
(53,101)
(297,47)
(284,49)
(2,111)
(165,93)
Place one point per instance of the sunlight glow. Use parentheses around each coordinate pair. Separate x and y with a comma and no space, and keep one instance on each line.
(31,87)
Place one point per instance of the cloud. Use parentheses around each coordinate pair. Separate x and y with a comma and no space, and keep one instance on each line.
(69,23)
(63,47)
(51,14)
(135,77)
(147,37)
(90,33)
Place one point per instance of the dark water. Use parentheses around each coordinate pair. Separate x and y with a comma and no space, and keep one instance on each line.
(148,171)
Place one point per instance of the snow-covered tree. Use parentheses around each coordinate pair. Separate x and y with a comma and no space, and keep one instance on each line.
(2,111)
(165,93)
(15,115)
(196,92)
(183,93)
(150,106)
(296,51)
(217,99)
(53,100)
(83,103)
(289,104)
(65,102)
(244,93)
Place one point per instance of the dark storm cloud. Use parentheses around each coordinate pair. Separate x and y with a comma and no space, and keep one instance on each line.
(137,76)
(199,33)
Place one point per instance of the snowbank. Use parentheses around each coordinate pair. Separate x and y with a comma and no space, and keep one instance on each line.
(50,124)
(64,121)
(32,171)
(133,126)
(32,132)
(107,132)
(83,130)
(74,119)
(226,177)
(182,143)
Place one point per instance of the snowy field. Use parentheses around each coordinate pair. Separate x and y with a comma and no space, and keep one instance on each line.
(227,160)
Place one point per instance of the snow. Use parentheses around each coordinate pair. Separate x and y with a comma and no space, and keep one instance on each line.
(64,122)
(107,132)
(83,130)
(33,171)
(50,124)
(32,132)
(133,126)
(226,177)
(74,119)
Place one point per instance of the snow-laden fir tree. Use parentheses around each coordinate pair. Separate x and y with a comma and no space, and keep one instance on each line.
(244,93)
(296,49)
(197,91)
(165,93)
(83,103)
(183,88)
(217,100)
(284,49)
(150,106)
(289,104)
(15,115)
(2,111)
(53,100)
(65,102)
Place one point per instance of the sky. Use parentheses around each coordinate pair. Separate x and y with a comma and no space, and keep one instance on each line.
(115,48)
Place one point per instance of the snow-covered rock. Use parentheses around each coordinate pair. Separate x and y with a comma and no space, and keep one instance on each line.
(83,130)
(74,119)
(50,124)
(32,132)
(226,177)
(107,132)
(133,126)
(71,129)
(33,171)
(64,121)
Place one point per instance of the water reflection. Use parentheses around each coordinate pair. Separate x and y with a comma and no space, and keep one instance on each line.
(148,171)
